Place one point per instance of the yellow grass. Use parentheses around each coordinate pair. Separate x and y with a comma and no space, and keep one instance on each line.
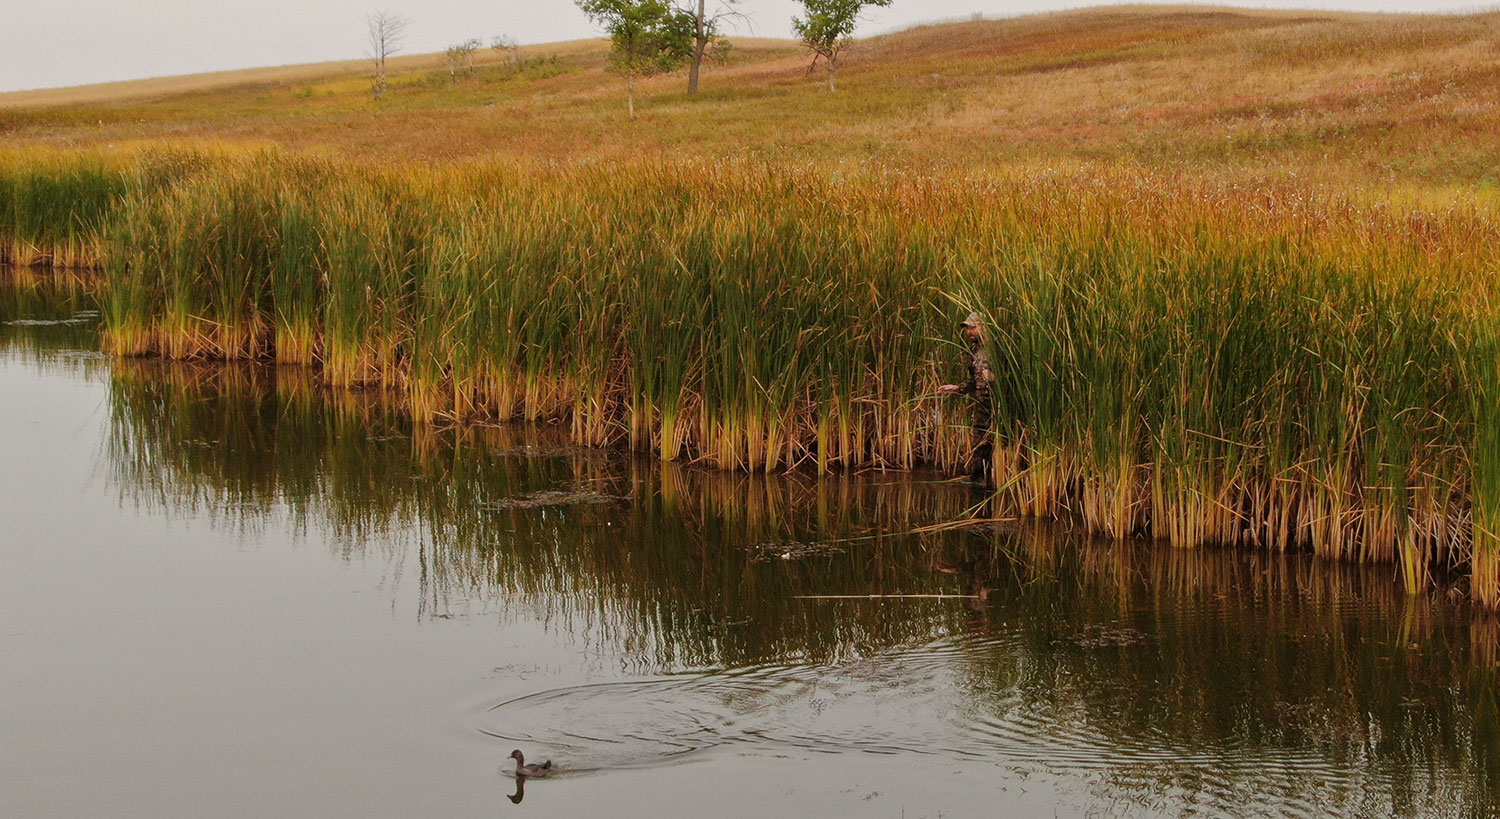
(1384,100)
(252,79)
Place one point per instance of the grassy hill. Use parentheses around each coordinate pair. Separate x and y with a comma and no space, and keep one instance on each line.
(1404,99)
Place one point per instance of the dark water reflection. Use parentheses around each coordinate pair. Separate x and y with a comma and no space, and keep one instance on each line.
(1133,679)
(1171,679)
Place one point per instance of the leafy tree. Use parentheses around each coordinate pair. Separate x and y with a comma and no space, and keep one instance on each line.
(708,37)
(646,37)
(827,28)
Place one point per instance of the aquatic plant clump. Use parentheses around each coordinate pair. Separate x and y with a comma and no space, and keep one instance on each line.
(53,206)
(1183,358)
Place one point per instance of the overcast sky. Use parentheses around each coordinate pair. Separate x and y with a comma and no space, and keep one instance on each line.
(69,42)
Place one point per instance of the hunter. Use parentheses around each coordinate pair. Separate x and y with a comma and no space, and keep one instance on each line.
(981,377)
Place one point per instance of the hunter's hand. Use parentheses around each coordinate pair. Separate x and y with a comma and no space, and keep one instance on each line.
(949,389)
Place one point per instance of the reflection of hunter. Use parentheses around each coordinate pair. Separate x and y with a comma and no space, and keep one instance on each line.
(978,385)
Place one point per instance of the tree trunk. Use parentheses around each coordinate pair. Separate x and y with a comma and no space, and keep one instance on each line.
(693,68)
(630,95)
(832,67)
(700,45)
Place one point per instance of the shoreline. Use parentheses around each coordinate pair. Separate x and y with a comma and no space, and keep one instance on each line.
(1176,359)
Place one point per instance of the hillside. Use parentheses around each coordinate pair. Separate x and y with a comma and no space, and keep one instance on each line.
(1372,97)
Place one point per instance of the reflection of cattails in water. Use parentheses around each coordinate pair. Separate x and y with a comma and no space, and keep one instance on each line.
(1220,651)
(1483,685)
(1245,668)
(245,443)
(708,564)
(44,311)
(30,290)
(678,564)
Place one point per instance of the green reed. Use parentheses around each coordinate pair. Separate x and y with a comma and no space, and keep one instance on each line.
(53,206)
(1182,358)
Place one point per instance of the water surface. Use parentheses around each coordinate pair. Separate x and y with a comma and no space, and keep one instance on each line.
(225,590)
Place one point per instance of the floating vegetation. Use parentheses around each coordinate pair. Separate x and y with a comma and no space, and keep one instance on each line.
(792,550)
(83,317)
(537,500)
(1097,635)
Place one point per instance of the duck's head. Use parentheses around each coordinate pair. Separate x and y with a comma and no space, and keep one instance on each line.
(516,755)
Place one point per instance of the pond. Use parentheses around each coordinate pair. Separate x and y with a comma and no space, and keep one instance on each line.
(228,590)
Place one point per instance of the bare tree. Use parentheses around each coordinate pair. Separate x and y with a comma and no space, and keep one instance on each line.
(708,37)
(471,47)
(508,48)
(453,55)
(383,34)
(460,57)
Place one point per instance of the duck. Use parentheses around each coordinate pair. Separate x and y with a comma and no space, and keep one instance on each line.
(523,769)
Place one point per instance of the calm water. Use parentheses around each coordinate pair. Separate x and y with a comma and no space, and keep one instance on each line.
(225,591)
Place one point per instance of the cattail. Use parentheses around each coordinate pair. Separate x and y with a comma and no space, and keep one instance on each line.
(1191,360)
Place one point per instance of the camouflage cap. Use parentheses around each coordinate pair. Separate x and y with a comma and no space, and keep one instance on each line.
(972,321)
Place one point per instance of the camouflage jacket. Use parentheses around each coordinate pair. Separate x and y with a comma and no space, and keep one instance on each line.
(980,374)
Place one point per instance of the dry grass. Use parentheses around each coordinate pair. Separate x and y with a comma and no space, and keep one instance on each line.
(1384,99)
(254,79)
